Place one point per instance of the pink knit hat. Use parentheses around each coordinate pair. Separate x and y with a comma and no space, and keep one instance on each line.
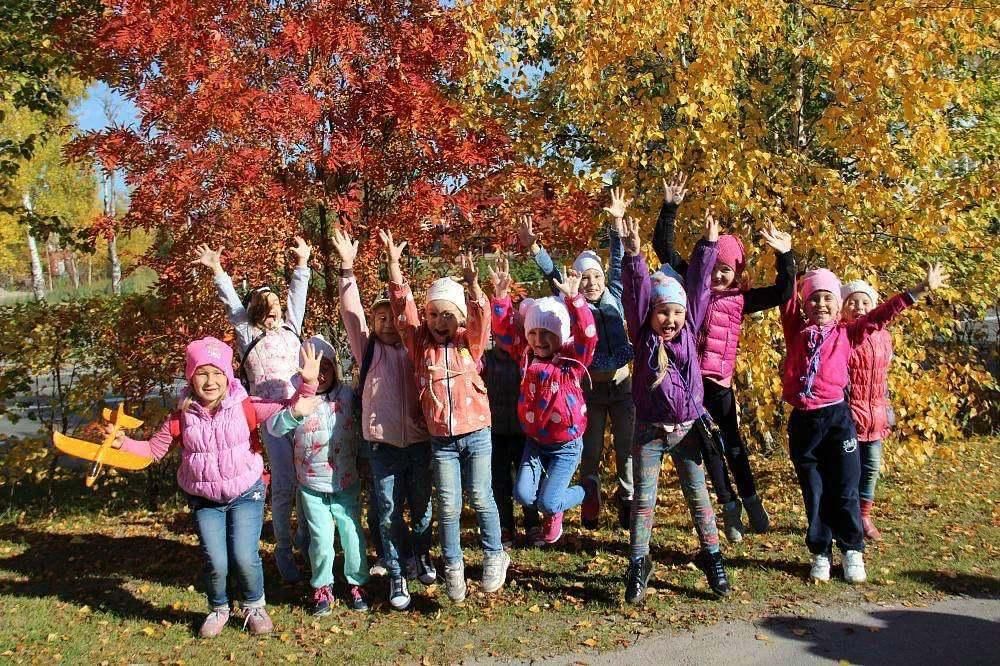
(208,351)
(731,252)
(821,279)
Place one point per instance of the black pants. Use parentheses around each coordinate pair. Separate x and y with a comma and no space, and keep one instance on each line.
(824,449)
(507,452)
(720,402)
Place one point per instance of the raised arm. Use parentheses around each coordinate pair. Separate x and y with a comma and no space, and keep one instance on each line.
(698,281)
(581,319)
(664,234)
(635,282)
(616,251)
(477,324)
(507,333)
(351,311)
(529,241)
(765,298)
(235,312)
(298,286)
(878,318)
(791,317)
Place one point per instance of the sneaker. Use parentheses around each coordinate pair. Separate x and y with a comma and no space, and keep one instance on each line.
(871,532)
(732,521)
(410,568)
(454,581)
(214,623)
(322,601)
(426,573)
(552,528)
(820,569)
(257,621)
(854,567)
(624,512)
(760,522)
(711,563)
(535,536)
(636,579)
(287,568)
(379,568)
(356,599)
(495,568)
(399,593)
(590,510)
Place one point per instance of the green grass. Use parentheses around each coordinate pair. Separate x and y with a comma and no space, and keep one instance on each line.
(138,281)
(100,580)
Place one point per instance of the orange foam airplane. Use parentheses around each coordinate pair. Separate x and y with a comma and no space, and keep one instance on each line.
(104,453)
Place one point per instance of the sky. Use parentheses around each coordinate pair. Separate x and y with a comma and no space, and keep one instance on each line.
(90,115)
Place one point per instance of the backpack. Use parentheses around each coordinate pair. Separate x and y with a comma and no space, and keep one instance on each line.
(176,424)
(241,371)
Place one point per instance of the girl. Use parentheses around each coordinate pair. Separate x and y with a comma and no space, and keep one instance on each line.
(822,440)
(554,347)
(326,465)
(869,395)
(391,421)
(664,322)
(608,393)
(445,350)
(269,351)
(221,474)
(718,341)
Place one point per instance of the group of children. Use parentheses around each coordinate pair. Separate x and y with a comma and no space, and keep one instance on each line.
(442,412)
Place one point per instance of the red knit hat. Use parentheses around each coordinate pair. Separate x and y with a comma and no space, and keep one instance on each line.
(731,252)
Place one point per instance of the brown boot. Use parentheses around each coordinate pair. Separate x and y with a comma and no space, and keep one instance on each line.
(871,532)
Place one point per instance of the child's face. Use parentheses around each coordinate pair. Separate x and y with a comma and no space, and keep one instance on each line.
(272,319)
(443,319)
(723,276)
(383,325)
(209,384)
(592,284)
(327,373)
(857,305)
(821,308)
(667,319)
(543,343)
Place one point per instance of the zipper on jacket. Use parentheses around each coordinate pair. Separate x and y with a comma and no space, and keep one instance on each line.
(447,388)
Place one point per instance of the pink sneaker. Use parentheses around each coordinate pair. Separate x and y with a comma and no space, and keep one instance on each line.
(552,528)
(214,623)
(257,621)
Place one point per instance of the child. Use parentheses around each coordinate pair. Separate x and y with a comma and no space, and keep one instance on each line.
(326,465)
(869,395)
(269,352)
(718,342)
(221,474)
(392,422)
(445,350)
(821,437)
(608,392)
(503,380)
(554,347)
(664,322)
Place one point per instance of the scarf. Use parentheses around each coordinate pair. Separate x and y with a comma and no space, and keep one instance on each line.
(816,336)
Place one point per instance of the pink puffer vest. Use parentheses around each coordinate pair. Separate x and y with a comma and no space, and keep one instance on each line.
(869,373)
(216,460)
(719,339)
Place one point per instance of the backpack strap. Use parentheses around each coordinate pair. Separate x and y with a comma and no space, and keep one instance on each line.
(176,423)
(366,363)
(250,413)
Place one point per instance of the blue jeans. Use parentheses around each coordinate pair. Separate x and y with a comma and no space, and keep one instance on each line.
(230,538)
(283,492)
(463,462)
(650,444)
(544,477)
(871,463)
(401,478)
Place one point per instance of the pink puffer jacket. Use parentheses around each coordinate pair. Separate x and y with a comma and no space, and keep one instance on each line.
(719,339)
(869,373)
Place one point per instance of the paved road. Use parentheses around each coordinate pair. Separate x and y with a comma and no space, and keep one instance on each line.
(956,631)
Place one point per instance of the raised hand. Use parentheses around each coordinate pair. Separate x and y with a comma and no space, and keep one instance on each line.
(500,277)
(525,234)
(936,277)
(208,257)
(301,250)
(619,204)
(470,271)
(393,251)
(675,190)
(712,226)
(779,241)
(346,247)
(631,239)
(570,287)
(310,364)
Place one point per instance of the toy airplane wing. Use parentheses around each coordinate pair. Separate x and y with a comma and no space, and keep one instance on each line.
(120,418)
(79,448)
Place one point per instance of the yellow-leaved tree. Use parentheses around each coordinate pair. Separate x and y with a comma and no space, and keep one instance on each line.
(863,128)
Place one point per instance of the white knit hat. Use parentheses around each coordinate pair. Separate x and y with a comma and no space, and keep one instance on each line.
(855,286)
(547,313)
(446,289)
(322,347)
(586,260)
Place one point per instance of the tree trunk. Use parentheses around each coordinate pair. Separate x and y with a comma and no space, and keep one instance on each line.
(37,277)
(74,272)
(329,277)
(109,210)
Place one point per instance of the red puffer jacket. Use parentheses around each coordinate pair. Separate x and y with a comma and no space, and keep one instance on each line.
(869,373)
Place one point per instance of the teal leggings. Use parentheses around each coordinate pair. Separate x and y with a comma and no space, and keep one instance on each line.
(327,514)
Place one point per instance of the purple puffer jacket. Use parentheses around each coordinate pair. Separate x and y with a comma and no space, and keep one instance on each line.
(678,399)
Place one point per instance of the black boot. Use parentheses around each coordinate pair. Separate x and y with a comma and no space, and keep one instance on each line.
(636,578)
(711,564)
(624,512)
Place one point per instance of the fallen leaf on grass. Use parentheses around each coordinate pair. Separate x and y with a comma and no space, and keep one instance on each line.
(590,642)
(535,609)
(762,637)
(149,631)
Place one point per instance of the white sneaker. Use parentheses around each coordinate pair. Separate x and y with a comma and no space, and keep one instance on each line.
(454,581)
(820,570)
(495,571)
(854,567)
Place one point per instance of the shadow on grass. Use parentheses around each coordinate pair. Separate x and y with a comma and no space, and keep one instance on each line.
(980,587)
